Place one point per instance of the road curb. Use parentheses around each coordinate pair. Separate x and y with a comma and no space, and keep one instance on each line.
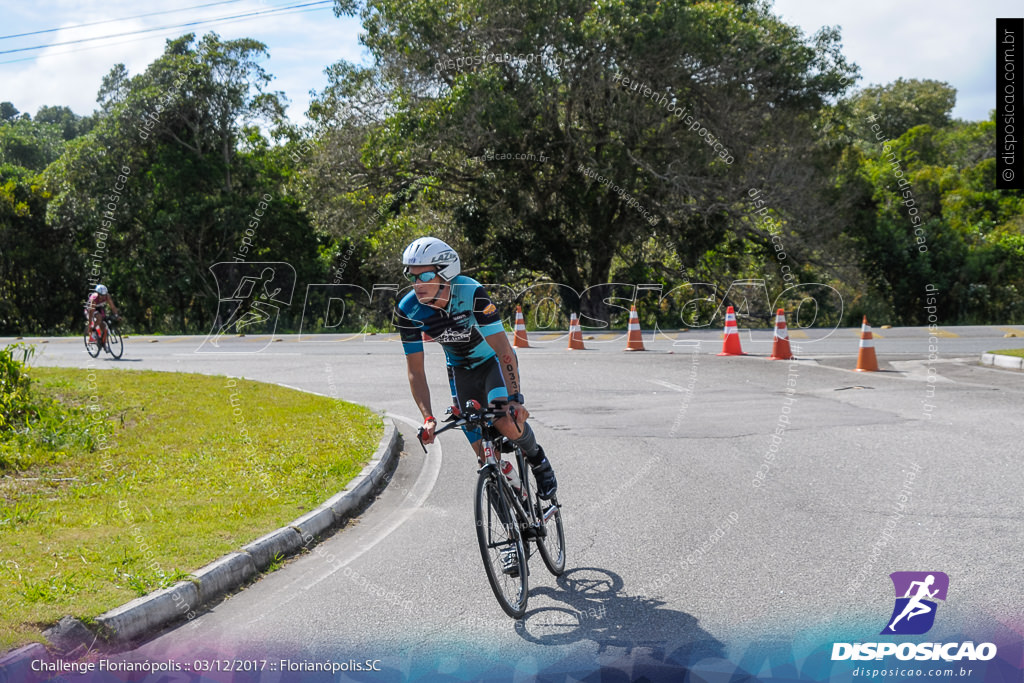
(148,613)
(16,664)
(998,360)
(264,549)
(153,612)
(221,576)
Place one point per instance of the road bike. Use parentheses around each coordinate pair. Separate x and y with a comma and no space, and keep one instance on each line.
(509,521)
(106,336)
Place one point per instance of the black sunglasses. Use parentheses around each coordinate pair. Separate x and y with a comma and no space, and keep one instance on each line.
(422,277)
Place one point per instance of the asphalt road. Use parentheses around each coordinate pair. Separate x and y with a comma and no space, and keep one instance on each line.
(693,538)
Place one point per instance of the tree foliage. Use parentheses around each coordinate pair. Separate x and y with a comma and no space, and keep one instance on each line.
(968,236)
(580,142)
(181,138)
(598,89)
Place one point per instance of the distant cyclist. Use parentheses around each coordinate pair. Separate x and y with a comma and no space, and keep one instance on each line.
(96,308)
(456,312)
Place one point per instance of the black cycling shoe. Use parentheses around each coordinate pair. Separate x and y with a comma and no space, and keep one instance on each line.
(510,562)
(545,476)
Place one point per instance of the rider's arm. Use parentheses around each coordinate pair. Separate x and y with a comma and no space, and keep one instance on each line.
(510,370)
(90,310)
(489,322)
(110,299)
(411,334)
(508,361)
(418,383)
(421,394)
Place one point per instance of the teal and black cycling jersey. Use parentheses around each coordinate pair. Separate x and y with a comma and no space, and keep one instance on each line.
(460,328)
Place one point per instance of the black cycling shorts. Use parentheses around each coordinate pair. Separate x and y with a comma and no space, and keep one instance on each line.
(485,383)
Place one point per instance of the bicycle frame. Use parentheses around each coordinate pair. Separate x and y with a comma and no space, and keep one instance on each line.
(507,519)
(492,442)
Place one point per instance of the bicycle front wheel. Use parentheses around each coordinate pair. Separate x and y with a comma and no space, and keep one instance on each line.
(91,345)
(501,544)
(115,345)
(552,543)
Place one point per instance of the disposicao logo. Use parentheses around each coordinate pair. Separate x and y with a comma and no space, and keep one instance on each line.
(914,614)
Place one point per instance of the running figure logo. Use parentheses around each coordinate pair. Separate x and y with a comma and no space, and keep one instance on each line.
(250,299)
(914,612)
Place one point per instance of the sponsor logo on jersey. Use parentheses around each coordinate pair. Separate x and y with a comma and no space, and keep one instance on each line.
(454,336)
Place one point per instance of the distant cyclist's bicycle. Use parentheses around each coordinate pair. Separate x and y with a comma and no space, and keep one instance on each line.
(105,336)
(508,519)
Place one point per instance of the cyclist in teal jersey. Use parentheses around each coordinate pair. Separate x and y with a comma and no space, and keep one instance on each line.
(456,312)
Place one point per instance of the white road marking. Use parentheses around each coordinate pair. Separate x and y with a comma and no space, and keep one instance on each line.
(667,385)
(215,354)
(416,497)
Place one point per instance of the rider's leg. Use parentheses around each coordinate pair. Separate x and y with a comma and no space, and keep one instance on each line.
(547,484)
(457,383)
(523,437)
(478,448)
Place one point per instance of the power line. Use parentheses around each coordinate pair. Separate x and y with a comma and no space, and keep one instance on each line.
(135,40)
(164,28)
(111,21)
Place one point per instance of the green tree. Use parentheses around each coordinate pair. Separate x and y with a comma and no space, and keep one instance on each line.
(183,135)
(37,265)
(71,124)
(8,112)
(929,216)
(899,106)
(409,137)
(30,144)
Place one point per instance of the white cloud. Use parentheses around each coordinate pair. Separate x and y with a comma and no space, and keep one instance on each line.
(949,41)
(946,40)
(301,45)
(59,77)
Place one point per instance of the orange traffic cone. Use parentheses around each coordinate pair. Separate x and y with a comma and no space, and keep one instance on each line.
(731,343)
(780,345)
(575,335)
(866,360)
(635,338)
(519,340)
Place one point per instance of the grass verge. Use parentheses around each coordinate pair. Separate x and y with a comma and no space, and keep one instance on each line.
(168,472)
(1019,353)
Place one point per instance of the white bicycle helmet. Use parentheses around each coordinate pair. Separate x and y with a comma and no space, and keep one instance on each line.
(101,290)
(430,251)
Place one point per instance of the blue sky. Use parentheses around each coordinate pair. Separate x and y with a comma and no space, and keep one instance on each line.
(948,40)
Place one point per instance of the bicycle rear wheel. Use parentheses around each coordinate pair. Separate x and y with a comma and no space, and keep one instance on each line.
(115,345)
(552,543)
(92,346)
(499,535)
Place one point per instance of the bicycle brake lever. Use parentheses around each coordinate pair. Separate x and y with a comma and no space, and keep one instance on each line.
(512,414)
(419,437)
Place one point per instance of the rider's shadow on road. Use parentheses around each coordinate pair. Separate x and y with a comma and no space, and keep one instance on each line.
(595,607)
